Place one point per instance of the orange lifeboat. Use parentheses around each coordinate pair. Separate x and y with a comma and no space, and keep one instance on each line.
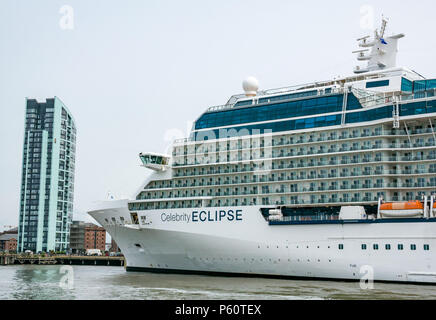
(402,209)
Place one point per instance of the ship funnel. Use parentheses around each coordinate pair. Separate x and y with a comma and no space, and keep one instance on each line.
(250,86)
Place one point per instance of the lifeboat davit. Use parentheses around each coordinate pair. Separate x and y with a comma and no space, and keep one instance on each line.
(402,209)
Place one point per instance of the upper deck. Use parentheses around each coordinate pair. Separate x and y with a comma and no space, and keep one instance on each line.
(341,101)
(360,98)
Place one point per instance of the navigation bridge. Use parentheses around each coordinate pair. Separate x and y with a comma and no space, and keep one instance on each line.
(155,161)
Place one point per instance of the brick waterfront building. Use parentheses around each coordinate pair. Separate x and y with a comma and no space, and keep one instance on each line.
(8,240)
(86,236)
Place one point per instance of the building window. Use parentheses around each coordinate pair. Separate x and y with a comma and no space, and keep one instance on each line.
(363,246)
(426,247)
(413,247)
(375,246)
(388,247)
(400,247)
(341,246)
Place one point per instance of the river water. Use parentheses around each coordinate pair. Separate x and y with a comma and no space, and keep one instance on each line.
(104,282)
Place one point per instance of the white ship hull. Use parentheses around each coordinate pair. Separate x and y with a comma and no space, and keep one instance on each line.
(251,246)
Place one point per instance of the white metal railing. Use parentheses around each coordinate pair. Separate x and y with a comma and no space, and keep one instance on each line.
(320,91)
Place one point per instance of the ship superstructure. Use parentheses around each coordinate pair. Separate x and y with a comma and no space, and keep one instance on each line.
(332,167)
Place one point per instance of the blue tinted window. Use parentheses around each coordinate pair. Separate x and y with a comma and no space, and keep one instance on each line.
(353,103)
(244,103)
(321,121)
(289,96)
(271,112)
(431,106)
(413,108)
(240,116)
(419,85)
(423,85)
(430,84)
(370,115)
(375,84)
(406,85)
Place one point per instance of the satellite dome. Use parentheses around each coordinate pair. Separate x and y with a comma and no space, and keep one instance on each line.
(250,86)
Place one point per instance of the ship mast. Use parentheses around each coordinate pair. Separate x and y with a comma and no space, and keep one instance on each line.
(381,52)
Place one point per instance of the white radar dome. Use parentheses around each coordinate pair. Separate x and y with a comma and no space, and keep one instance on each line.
(250,86)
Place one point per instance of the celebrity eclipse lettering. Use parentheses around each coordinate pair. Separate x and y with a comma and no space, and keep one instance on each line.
(199,216)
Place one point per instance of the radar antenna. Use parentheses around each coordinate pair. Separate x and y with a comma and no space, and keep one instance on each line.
(383,53)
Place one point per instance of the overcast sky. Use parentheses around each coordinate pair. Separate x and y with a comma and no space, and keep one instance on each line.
(135,73)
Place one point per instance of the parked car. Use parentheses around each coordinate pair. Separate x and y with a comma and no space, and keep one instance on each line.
(93,252)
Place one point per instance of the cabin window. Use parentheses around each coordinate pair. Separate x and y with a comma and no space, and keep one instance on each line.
(388,247)
(341,246)
(375,246)
(400,247)
(426,247)
(413,247)
(363,246)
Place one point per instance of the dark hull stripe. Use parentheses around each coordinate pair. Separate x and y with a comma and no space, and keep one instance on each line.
(253,275)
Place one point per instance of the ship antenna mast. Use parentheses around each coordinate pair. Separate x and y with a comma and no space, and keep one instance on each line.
(383,51)
(383,27)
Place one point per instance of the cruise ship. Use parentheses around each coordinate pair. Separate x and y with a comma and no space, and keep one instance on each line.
(327,180)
